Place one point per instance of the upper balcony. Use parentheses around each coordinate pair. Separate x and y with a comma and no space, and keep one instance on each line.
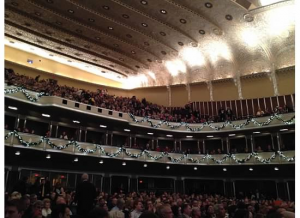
(239,125)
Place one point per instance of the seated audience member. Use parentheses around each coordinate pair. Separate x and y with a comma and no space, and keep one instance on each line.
(210,212)
(164,211)
(219,151)
(186,211)
(64,136)
(98,213)
(260,112)
(14,209)
(61,211)
(196,213)
(116,212)
(220,211)
(269,149)
(37,209)
(148,214)
(229,113)
(47,207)
(258,149)
(157,148)
(138,207)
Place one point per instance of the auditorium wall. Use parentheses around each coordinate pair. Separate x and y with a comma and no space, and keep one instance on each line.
(257,87)
(179,95)
(157,95)
(225,90)
(286,82)
(199,92)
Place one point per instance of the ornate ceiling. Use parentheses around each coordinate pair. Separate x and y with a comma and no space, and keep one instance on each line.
(159,42)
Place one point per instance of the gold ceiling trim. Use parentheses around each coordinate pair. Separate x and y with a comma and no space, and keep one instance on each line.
(92,28)
(156,20)
(119,23)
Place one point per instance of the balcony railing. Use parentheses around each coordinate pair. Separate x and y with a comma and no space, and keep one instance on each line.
(271,121)
(30,141)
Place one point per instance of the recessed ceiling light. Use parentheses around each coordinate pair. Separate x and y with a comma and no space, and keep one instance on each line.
(76,159)
(276,168)
(45,115)
(284,130)
(163,11)
(71,11)
(101,162)
(110,28)
(167,167)
(105,7)
(48,156)
(150,133)
(103,126)
(144,2)
(91,20)
(145,165)
(169,135)
(210,136)
(98,38)
(189,136)
(144,24)
(30,61)
(124,163)
(256,132)
(251,169)
(13,108)
(127,130)
(224,169)
(76,121)
(17,153)
(231,135)
(195,168)
(12,42)
(133,52)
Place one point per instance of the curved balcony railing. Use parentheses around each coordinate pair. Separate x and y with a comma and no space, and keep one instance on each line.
(31,97)
(30,141)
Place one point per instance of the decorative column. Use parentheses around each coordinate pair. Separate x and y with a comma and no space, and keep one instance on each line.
(188,89)
(237,82)
(276,185)
(252,143)
(169,96)
(288,190)
(278,141)
(233,185)
(273,78)
(111,139)
(210,87)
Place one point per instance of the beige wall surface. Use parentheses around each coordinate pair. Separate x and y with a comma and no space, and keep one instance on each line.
(225,90)
(179,96)
(199,92)
(157,95)
(286,82)
(257,87)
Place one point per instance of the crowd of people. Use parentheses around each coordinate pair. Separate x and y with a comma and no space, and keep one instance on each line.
(88,202)
(101,98)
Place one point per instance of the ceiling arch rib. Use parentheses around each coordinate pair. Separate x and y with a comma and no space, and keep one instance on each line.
(119,23)
(134,46)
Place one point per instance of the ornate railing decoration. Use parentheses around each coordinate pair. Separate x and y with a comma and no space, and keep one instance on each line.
(124,150)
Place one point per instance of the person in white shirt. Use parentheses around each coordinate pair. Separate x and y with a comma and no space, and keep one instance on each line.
(138,207)
(64,136)
(46,210)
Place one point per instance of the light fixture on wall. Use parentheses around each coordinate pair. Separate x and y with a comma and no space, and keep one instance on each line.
(76,159)
(17,153)
(13,108)
(101,162)
(48,156)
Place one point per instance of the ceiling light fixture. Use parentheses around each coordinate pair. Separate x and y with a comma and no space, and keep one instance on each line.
(12,108)
(282,130)
(48,156)
(276,168)
(231,135)
(150,133)
(189,136)
(17,153)
(167,167)
(169,135)
(256,132)
(251,169)
(224,169)
(76,121)
(195,168)
(210,136)
(175,67)
(145,165)
(46,115)
(76,159)
(127,130)
(103,126)
(124,163)
(101,162)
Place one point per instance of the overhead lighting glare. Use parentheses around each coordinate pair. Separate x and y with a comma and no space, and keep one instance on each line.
(45,115)
(30,61)
(282,130)
(124,163)
(152,75)
(231,135)
(195,168)
(192,56)
(76,159)
(150,133)
(48,156)
(17,153)
(256,132)
(224,169)
(103,126)
(145,165)
(76,121)
(251,169)
(175,67)
(169,135)
(167,167)
(127,130)
(101,162)
(276,168)
(13,108)
(189,136)
(210,136)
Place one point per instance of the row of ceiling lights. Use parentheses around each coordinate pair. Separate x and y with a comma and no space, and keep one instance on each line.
(149,133)
(124,163)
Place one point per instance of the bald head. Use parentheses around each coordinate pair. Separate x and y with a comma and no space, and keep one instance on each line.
(85,177)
